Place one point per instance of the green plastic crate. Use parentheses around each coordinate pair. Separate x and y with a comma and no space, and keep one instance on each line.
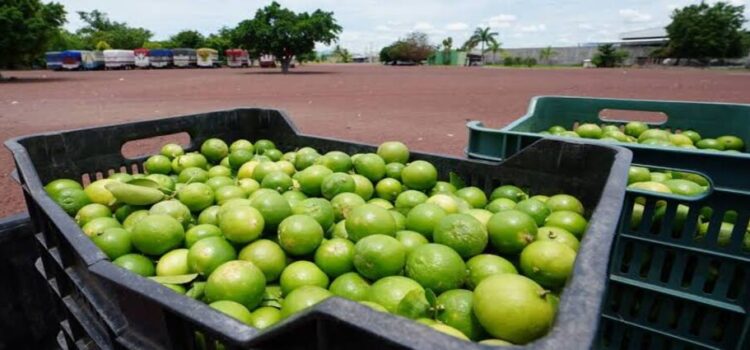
(731,170)
(667,288)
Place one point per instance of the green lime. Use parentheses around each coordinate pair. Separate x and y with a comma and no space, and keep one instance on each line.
(218,182)
(209,253)
(436,267)
(241,224)
(362,186)
(536,209)
(350,286)
(443,187)
(457,312)
(136,263)
(72,200)
(369,219)
(294,197)
(302,273)
(133,219)
(343,204)
(638,174)
(247,170)
(262,145)
(156,234)
(510,192)
(548,263)
(461,232)
(196,196)
(335,256)
(209,216)
(114,241)
(485,265)
(409,199)
(97,226)
(339,230)
(371,166)
(239,281)
(423,218)
(54,187)
(198,232)
(501,204)
(589,131)
(388,291)
(380,202)
(481,214)
(264,317)
(374,306)
(511,230)
(311,179)
(92,211)
(158,164)
(192,175)
(635,129)
(319,209)
(278,181)
(411,239)
(564,202)
(303,298)
(388,189)
(393,170)
(419,175)
(300,235)
(172,150)
(559,235)
(233,309)
(513,307)
(242,144)
(273,154)
(189,160)
(473,195)
(684,187)
(267,256)
(337,161)
(223,194)
(173,263)
(219,170)
(377,256)
(173,208)
(393,152)
(264,169)
(305,160)
(568,220)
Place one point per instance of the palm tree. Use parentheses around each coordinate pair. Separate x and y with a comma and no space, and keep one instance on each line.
(448,43)
(483,36)
(343,54)
(494,47)
(546,54)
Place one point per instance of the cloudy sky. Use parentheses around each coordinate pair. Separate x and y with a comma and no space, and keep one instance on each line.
(371,24)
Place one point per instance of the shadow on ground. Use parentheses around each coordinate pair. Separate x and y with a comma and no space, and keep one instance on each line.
(29,80)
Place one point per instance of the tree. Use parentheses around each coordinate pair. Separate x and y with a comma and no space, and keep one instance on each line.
(26,27)
(494,47)
(102,45)
(281,32)
(117,34)
(190,39)
(415,48)
(65,40)
(221,40)
(344,56)
(484,37)
(469,44)
(608,56)
(447,44)
(705,31)
(546,54)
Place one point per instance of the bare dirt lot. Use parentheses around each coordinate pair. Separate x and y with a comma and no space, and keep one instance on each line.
(425,107)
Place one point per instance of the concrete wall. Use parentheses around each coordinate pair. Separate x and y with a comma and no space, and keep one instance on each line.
(566,55)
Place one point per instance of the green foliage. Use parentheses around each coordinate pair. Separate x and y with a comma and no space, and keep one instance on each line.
(286,34)
(117,34)
(510,61)
(608,56)
(546,54)
(484,37)
(529,62)
(414,48)
(342,55)
(26,27)
(494,47)
(222,40)
(65,40)
(189,39)
(155,44)
(705,31)
(102,45)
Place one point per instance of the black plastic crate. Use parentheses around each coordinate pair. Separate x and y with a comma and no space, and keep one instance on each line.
(27,309)
(143,314)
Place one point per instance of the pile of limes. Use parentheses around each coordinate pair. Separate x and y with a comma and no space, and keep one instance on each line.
(639,132)
(681,184)
(261,234)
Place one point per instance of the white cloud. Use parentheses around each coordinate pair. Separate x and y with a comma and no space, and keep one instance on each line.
(501,21)
(383,28)
(533,28)
(585,26)
(457,26)
(633,16)
(423,27)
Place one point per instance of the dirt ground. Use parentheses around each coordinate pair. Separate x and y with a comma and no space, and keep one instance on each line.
(425,107)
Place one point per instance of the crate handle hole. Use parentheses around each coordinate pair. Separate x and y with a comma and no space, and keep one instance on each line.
(144,147)
(621,115)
